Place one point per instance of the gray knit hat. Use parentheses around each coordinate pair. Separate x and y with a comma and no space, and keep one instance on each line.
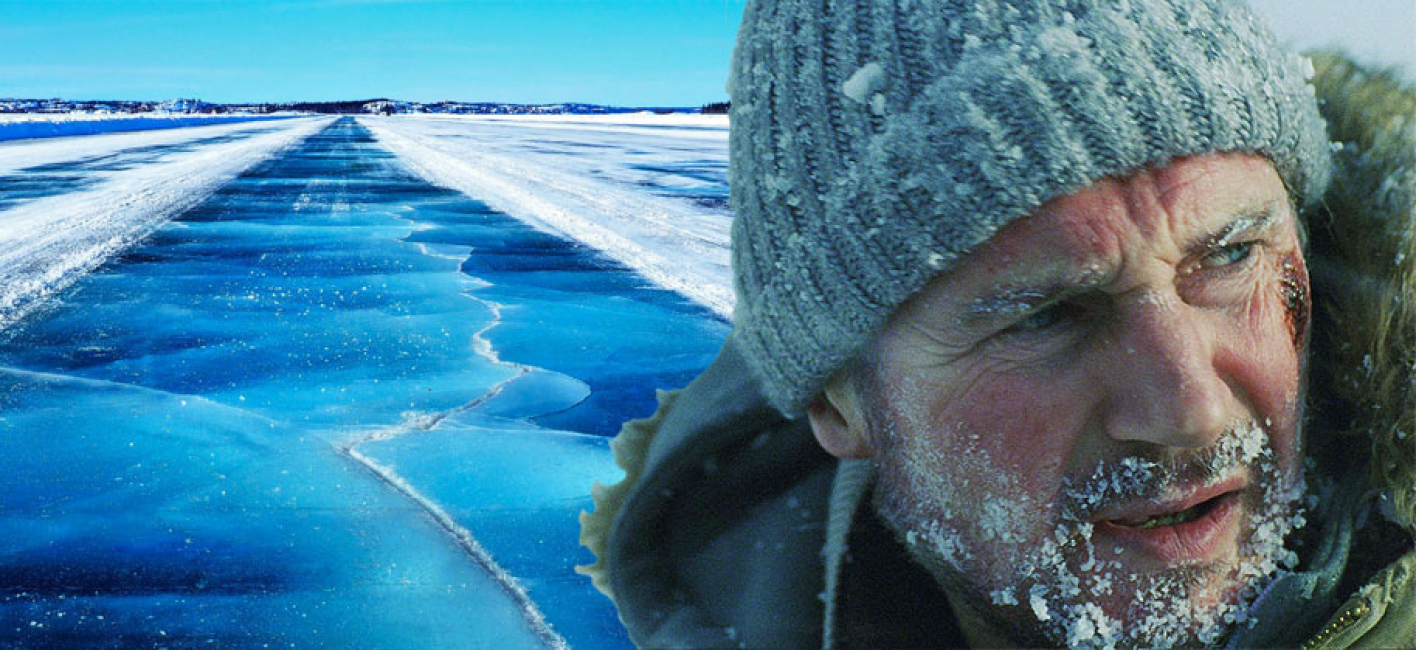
(874,142)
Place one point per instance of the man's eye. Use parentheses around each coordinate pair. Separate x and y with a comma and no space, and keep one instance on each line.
(1227,255)
(1043,319)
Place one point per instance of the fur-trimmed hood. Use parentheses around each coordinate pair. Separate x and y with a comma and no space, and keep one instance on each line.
(1362,256)
(716,534)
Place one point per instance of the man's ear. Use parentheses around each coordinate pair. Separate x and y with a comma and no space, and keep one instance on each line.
(837,420)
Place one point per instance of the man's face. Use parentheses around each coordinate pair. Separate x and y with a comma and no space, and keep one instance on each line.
(1087,430)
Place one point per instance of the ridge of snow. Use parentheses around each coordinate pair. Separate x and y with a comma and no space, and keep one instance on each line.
(680,125)
(49,243)
(19,154)
(24,126)
(672,242)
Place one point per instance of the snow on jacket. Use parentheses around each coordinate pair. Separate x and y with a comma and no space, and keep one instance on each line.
(732,528)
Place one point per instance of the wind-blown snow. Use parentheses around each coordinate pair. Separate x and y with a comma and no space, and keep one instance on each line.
(23,154)
(48,243)
(598,181)
(47,125)
(683,123)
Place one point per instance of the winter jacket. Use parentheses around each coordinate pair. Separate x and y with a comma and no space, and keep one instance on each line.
(733,528)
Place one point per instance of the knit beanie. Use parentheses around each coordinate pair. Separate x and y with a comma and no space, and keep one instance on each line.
(874,142)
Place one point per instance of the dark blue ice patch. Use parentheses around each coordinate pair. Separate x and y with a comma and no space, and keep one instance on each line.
(176,442)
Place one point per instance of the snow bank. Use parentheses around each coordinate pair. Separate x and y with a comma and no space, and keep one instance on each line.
(49,243)
(17,155)
(43,125)
(640,118)
(585,187)
(682,125)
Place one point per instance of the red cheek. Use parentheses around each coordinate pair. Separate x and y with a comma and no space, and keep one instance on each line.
(1293,286)
(1025,429)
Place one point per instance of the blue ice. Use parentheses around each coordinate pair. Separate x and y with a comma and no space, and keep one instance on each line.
(19,130)
(334,405)
(52,179)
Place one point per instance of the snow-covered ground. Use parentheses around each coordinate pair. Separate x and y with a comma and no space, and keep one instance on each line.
(681,122)
(648,190)
(18,126)
(112,191)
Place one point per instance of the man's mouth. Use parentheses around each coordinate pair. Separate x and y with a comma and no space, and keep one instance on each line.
(1175,518)
(1192,528)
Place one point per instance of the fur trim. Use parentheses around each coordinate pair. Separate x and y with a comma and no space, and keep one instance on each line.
(1364,262)
(630,447)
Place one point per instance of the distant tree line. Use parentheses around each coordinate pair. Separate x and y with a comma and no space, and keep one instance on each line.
(716,108)
(361,106)
(340,107)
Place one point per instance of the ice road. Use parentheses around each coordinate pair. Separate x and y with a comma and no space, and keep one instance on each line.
(269,385)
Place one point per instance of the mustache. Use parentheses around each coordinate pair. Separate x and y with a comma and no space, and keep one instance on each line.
(1153,475)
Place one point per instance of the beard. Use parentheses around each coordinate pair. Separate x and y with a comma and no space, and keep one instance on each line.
(1032,569)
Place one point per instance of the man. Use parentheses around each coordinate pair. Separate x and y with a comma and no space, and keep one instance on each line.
(1025,351)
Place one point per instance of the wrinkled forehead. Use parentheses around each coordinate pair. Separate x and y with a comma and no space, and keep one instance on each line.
(1088,236)
(1169,208)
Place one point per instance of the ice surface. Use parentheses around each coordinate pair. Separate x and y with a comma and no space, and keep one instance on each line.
(63,217)
(19,154)
(18,127)
(138,517)
(332,336)
(650,194)
(514,484)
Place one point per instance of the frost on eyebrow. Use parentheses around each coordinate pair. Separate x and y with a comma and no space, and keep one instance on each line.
(1012,301)
(1019,299)
(1007,303)
(1245,223)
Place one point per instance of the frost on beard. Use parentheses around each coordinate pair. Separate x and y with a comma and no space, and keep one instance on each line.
(1168,609)
(1063,581)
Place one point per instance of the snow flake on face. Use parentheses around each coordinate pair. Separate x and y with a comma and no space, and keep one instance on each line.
(1091,628)
(1039,606)
(1068,583)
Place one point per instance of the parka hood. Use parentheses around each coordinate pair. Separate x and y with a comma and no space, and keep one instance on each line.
(1362,257)
(726,506)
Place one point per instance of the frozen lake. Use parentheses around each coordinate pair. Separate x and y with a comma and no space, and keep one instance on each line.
(331,404)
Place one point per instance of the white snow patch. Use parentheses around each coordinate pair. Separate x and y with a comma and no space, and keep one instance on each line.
(15,126)
(49,243)
(687,126)
(515,168)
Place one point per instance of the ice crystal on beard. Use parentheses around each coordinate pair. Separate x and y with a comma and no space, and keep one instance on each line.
(1004,596)
(1130,476)
(1091,627)
(1081,632)
(998,522)
(1039,605)
(1167,608)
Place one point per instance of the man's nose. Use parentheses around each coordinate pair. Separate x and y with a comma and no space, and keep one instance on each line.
(1163,383)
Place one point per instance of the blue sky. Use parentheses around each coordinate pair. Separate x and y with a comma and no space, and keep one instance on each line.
(629,52)
(624,52)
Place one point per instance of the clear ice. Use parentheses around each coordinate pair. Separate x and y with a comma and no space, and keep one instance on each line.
(331,405)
